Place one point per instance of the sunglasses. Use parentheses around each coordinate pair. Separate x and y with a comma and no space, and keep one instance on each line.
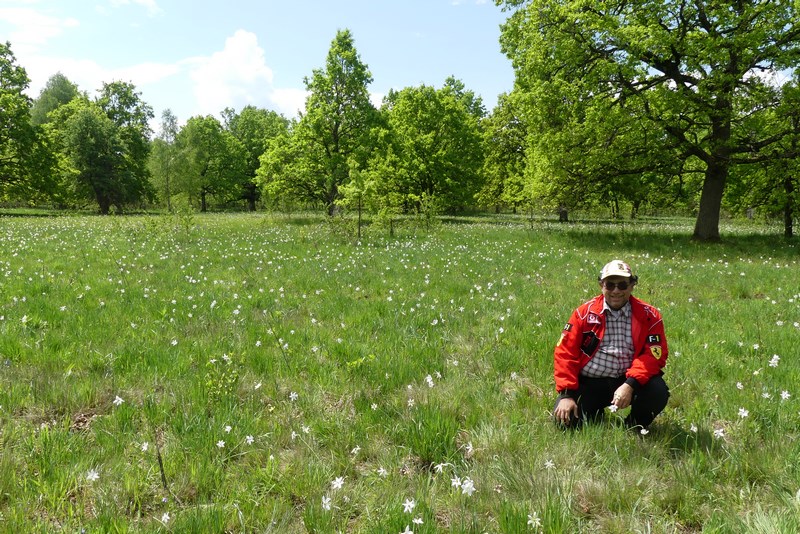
(622,286)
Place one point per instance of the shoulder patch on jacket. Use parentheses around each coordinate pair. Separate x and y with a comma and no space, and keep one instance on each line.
(650,311)
(653,338)
(567,327)
(655,350)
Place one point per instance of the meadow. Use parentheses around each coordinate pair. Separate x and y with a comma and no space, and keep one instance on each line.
(257,373)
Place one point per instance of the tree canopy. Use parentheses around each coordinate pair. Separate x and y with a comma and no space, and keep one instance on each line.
(254,128)
(16,133)
(103,147)
(57,92)
(695,71)
(26,159)
(332,134)
(211,161)
(435,135)
(648,106)
(163,155)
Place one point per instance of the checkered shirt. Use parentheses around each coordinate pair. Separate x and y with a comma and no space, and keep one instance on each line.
(615,354)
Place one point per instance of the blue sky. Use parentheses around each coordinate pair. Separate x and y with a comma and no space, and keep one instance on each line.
(197,57)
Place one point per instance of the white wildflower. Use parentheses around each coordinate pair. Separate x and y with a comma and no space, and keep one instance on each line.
(468,487)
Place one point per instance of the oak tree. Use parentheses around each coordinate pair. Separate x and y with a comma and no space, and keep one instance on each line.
(334,132)
(696,70)
(436,146)
(211,161)
(26,160)
(58,90)
(254,127)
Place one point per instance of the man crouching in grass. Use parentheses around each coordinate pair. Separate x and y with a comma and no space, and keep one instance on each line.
(611,353)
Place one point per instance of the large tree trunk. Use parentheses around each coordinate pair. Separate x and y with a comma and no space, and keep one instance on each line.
(788,187)
(706,228)
(250,195)
(104,202)
(333,192)
(359,217)
(788,209)
(635,208)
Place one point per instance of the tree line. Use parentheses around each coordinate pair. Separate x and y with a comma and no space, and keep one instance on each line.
(648,107)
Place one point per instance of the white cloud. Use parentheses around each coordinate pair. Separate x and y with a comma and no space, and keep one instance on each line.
(376,99)
(235,77)
(289,102)
(33,28)
(150,5)
(89,76)
(144,73)
(771,77)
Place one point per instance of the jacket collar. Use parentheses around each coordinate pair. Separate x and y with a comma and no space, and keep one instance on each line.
(597,304)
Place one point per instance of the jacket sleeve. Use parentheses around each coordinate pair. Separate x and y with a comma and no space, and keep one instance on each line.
(652,356)
(567,356)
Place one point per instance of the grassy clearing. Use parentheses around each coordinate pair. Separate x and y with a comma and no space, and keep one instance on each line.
(253,374)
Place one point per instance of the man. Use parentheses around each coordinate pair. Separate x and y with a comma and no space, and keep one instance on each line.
(611,353)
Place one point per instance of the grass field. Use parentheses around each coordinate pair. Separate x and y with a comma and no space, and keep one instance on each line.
(252,373)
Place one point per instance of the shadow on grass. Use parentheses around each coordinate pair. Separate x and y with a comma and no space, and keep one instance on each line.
(681,440)
(675,243)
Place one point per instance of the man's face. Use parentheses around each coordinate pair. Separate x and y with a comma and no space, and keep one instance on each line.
(616,297)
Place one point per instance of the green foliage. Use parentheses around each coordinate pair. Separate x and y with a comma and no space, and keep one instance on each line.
(315,160)
(625,90)
(162,162)
(504,140)
(58,90)
(771,186)
(210,162)
(103,147)
(185,221)
(429,208)
(221,378)
(254,128)
(434,147)
(131,116)
(94,152)
(16,134)
(25,159)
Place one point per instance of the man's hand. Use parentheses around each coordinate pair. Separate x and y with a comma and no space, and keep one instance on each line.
(623,396)
(565,410)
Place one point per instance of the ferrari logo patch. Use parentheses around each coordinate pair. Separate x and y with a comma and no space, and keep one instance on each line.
(560,340)
(656,352)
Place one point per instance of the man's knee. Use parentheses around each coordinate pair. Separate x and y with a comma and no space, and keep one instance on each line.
(649,402)
(655,392)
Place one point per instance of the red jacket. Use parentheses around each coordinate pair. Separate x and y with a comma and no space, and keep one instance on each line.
(581,338)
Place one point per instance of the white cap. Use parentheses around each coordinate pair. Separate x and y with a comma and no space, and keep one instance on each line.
(616,268)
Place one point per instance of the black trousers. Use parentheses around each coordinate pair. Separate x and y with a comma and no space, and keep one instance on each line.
(595,394)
